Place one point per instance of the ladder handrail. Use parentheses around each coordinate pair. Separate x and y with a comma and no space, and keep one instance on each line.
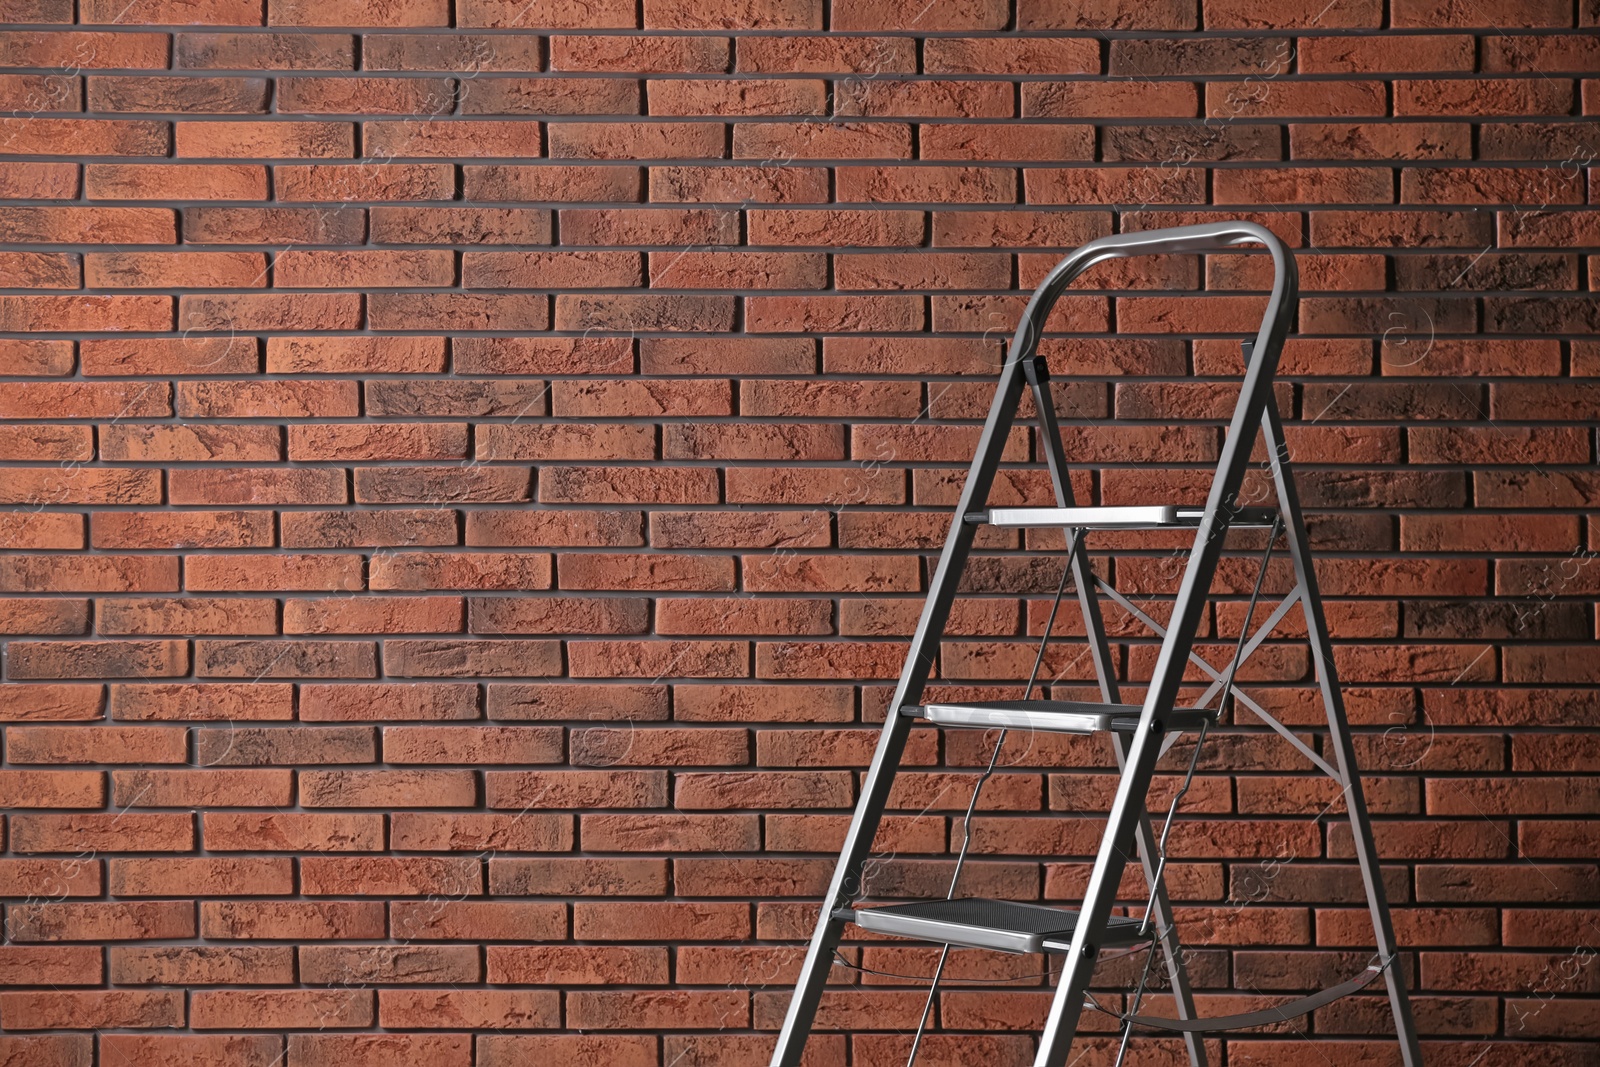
(1204,237)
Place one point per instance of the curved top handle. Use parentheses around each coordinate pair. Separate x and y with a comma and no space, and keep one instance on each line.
(1206,237)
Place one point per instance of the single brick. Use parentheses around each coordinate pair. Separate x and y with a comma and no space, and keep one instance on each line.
(550,96)
(358,13)
(202,95)
(366,96)
(266,140)
(514,14)
(153,181)
(83,50)
(756,15)
(464,54)
(166,12)
(263,51)
(636,140)
(634,54)
(174,270)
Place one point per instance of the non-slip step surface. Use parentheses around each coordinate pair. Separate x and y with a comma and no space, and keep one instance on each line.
(980,922)
(1153,517)
(1051,716)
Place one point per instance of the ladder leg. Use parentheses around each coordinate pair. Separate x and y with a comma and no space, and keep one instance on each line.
(1144,833)
(846,886)
(1100,649)
(1339,729)
(1066,1007)
(1145,745)
(1128,825)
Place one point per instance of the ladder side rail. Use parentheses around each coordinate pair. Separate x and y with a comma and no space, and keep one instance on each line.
(1256,390)
(1105,672)
(1366,849)
(846,882)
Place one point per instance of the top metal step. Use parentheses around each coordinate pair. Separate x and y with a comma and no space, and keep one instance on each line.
(1053,716)
(979,922)
(1154,517)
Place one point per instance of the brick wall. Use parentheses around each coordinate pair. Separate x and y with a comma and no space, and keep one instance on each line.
(470,472)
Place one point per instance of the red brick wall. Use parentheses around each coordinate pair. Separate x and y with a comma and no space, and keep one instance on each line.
(470,470)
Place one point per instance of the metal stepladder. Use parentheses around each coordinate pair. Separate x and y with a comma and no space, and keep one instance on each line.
(1140,734)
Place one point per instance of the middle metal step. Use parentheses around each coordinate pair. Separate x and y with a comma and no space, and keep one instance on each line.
(1057,716)
(1151,517)
(979,922)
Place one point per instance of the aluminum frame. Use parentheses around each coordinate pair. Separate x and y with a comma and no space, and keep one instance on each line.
(1128,826)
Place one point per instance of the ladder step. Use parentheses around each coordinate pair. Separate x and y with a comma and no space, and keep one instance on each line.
(1119,518)
(979,922)
(1054,716)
